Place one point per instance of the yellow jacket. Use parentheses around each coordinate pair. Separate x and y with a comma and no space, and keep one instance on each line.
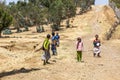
(46,44)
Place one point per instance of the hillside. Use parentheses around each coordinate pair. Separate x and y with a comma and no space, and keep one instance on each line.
(17,54)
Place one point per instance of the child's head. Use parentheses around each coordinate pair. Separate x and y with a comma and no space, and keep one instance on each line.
(53,33)
(48,36)
(96,36)
(79,39)
(57,33)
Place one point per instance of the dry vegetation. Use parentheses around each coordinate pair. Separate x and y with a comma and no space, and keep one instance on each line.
(116,34)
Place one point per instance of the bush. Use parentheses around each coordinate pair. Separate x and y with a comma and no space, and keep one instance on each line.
(5,20)
(55,27)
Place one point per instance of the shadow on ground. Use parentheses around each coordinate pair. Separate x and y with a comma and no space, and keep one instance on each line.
(22,70)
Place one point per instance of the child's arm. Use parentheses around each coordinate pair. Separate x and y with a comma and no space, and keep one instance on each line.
(82,46)
(100,42)
(37,50)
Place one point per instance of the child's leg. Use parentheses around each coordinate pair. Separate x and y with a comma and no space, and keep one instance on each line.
(98,55)
(94,54)
(77,55)
(80,55)
(44,57)
(44,62)
(58,43)
(53,52)
(56,50)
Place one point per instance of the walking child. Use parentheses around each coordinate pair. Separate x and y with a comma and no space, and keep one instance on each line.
(53,44)
(53,48)
(46,48)
(79,48)
(57,38)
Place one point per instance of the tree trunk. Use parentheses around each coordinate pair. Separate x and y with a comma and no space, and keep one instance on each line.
(68,23)
(58,23)
(75,2)
(0,34)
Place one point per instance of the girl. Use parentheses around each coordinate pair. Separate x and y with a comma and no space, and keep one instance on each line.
(79,48)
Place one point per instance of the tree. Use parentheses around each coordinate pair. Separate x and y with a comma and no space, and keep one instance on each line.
(42,11)
(117,2)
(37,13)
(70,10)
(69,7)
(5,20)
(56,13)
(59,10)
(92,2)
(46,3)
(26,12)
(13,10)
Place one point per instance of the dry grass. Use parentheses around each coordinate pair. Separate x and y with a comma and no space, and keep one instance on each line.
(116,34)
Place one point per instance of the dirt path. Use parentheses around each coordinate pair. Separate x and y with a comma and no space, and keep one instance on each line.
(65,67)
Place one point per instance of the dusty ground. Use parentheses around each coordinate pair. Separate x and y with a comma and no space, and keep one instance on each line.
(17,53)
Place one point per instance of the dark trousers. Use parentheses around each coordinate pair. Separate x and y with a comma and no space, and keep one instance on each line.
(79,56)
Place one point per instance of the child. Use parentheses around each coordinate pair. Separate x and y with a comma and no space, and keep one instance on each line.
(53,44)
(97,45)
(57,38)
(46,48)
(79,48)
(53,48)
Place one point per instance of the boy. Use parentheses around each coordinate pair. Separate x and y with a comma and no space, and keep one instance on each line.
(46,48)
(57,38)
(53,44)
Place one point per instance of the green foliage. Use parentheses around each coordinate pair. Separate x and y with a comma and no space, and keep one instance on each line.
(17,12)
(60,9)
(55,27)
(46,3)
(117,2)
(26,13)
(5,19)
(69,7)
(85,5)
(92,2)
(41,11)
(38,14)
(56,11)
